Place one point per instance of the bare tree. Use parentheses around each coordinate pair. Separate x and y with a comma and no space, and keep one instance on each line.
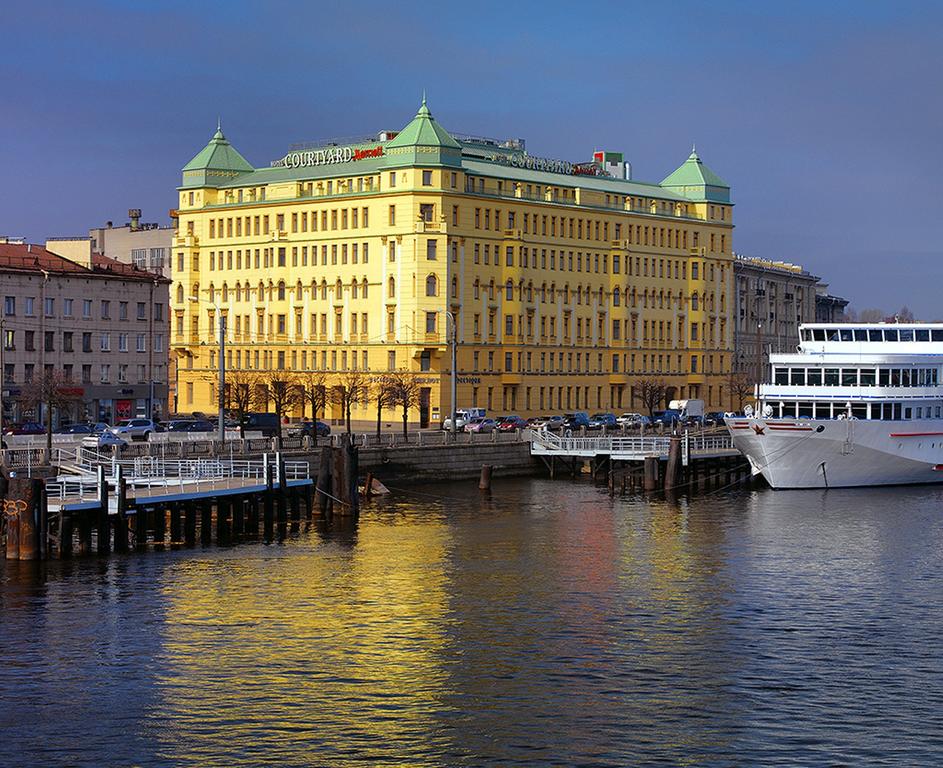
(52,389)
(382,391)
(740,387)
(404,393)
(240,393)
(278,388)
(313,391)
(904,315)
(651,392)
(347,389)
(871,315)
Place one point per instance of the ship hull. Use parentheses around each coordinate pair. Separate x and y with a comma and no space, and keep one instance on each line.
(811,453)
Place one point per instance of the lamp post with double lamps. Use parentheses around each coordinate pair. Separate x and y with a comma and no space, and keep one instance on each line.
(222,367)
(454,341)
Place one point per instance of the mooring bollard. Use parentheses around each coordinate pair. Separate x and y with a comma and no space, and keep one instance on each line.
(484,481)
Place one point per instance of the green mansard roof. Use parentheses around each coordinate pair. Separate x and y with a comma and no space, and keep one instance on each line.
(696,181)
(424,131)
(217,161)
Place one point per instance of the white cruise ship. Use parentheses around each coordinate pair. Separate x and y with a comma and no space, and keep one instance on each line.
(857,404)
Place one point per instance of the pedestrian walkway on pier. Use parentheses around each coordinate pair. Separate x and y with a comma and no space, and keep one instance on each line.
(543,443)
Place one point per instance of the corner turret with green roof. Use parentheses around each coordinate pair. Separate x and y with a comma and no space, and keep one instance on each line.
(217,163)
(424,141)
(696,181)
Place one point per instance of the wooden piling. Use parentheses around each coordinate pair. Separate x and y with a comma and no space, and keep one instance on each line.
(324,484)
(673,465)
(104,521)
(206,523)
(121,517)
(176,533)
(160,525)
(65,534)
(268,501)
(189,524)
(650,473)
(238,516)
(484,479)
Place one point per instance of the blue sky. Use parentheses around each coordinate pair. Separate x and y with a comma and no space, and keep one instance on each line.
(824,118)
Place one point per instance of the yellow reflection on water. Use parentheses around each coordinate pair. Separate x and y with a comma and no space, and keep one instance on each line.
(293,646)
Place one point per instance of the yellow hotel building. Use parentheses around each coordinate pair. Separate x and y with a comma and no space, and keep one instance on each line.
(569,283)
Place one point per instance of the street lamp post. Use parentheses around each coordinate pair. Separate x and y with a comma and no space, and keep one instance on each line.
(222,368)
(454,342)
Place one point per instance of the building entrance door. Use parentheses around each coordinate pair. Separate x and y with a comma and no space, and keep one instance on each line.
(425,395)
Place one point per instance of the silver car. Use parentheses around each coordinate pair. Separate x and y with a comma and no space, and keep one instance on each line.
(134,429)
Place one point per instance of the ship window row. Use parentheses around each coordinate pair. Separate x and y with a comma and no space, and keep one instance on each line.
(871,334)
(844,410)
(856,377)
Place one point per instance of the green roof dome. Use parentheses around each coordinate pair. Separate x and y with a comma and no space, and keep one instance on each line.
(696,181)
(217,161)
(424,131)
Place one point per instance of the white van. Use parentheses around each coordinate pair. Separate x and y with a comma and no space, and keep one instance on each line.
(688,408)
(462,417)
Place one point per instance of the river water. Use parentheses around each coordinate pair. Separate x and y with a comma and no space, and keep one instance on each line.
(546,624)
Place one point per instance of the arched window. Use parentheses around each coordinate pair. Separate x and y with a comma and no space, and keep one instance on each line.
(314,289)
(225,293)
(476,288)
(261,294)
(530,291)
(509,290)
(323,289)
(454,287)
(180,294)
(354,289)
(616,297)
(579,294)
(271,290)
(363,287)
(338,290)
(694,301)
(238,291)
(212,293)
(553,291)
(491,290)
(431,286)
(543,292)
(298,291)
(566,293)
(281,290)
(391,288)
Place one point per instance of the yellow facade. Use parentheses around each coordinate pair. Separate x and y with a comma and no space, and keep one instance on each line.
(567,289)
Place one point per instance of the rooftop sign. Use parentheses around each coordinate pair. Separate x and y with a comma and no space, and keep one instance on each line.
(327,156)
(552,166)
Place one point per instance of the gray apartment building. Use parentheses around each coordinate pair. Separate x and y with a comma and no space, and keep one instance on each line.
(99,327)
(145,245)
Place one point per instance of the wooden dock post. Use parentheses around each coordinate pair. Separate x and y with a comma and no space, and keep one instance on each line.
(324,484)
(650,473)
(160,525)
(222,520)
(281,499)
(484,479)
(175,524)
(268,502)
(189,523)
(673,465)
(104,519)
(121,517)
(239,516)
(206,523)
(252,515)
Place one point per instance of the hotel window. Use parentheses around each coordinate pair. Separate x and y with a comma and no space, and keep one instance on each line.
(392,215)
(430,322)
(393,178)
(427,178)
(430,250)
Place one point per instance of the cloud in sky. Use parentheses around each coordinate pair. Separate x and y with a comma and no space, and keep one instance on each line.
(824,118)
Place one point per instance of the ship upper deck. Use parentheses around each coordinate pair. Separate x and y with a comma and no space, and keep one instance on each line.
(918,340)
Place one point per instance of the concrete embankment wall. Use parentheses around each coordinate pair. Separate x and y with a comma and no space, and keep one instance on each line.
(441,462)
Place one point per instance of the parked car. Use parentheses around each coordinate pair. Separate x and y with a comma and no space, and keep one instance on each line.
(75,429)
(553,423)
(135,429)
(266,423)
(25,428)
(598,420)
(104,439)
(575,421)
(480,424)
(714,419)
(180,425)
(462,417)
(511,423)
(314,428)
(666,418)
(201,425)
(633,420)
